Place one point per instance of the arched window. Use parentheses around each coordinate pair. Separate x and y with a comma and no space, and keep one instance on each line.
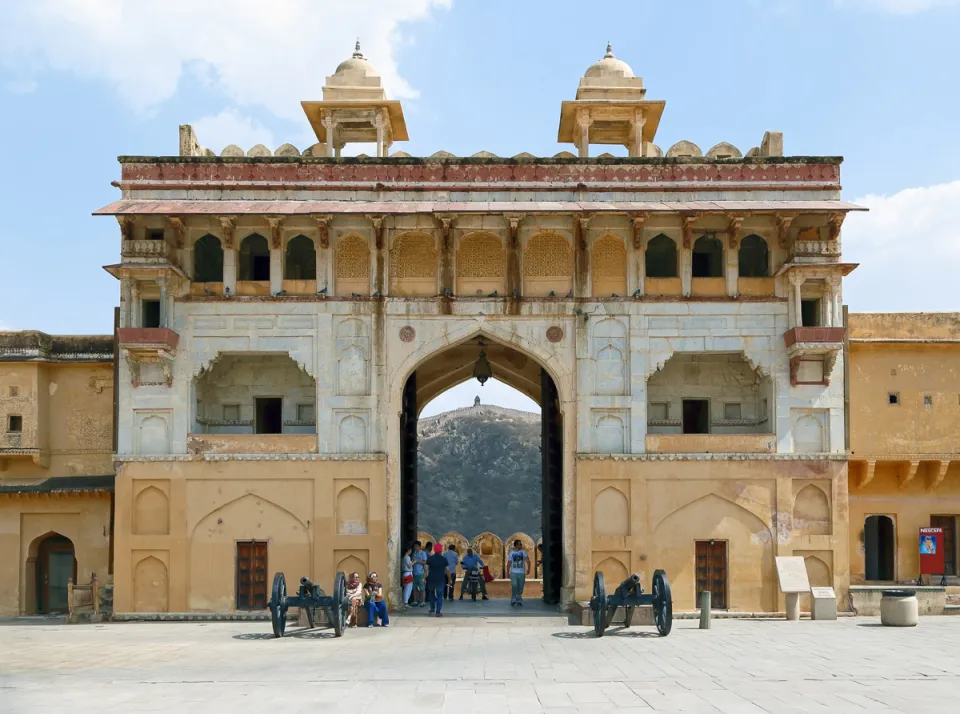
(754,257)
(254,258)
(300,261)
(708,257)
(208,260)
(661,257)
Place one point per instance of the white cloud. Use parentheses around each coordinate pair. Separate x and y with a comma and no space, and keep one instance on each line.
(23,85)
(898,7)
(230,127)
(908,247)
(271,54)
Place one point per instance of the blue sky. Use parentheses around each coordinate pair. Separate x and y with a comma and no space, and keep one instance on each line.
(82,81)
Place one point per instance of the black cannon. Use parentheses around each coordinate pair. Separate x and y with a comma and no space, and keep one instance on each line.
(628,596)
(309,598)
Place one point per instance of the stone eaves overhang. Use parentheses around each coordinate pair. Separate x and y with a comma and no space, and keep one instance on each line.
(35,346)
(473,173)
(63,485)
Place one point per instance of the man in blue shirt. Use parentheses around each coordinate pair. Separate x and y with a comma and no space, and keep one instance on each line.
(419,586)
(469,561)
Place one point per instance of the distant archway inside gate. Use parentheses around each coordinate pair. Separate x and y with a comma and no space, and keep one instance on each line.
(455,365)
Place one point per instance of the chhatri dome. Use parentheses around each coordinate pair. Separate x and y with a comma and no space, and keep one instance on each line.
(356,65)
(355,109)
(609,66)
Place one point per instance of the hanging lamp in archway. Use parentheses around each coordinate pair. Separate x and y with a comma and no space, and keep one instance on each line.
(482,370)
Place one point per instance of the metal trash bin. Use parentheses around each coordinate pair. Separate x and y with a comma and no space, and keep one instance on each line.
(899,608)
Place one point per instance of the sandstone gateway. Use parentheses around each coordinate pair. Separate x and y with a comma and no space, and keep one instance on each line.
(285,315)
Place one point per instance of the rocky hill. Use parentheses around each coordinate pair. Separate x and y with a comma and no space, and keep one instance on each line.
(479,470)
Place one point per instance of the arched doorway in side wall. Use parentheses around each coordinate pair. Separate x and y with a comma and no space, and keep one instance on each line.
(879,548)
(55,565)
(455,365)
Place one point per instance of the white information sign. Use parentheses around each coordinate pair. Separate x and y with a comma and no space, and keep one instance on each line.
(826,593)
(792,573)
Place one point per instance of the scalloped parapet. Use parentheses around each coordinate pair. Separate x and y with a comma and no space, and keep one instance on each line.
(684,148)
(724,150)
(524,155)
(259,150)
(442,155)
(653,151)
(232,150)
(564,155)
(287,150)
(401,154)
(484,155)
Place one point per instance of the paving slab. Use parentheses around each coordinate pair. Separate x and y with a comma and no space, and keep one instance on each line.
(482,659)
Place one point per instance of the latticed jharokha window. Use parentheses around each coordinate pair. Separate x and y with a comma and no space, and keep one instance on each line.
(481,264)
(609,266)
(481,255)
(548,255)
(413,265)
(353,265)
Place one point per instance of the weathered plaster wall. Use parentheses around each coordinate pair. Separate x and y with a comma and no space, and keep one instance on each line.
(910,509)
(178,521)
(926,380)
(637,515)
(26,519)
(67,412)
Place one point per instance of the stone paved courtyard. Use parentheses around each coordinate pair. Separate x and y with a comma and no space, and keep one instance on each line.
(475,664)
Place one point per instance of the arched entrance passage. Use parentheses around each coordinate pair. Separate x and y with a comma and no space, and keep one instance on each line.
(454,365)
(879,548)
(55,565)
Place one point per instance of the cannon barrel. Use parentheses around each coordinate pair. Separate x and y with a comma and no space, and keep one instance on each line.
(630,585)
(305,581)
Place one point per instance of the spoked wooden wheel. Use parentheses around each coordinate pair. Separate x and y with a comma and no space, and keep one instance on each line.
(338,613)
(662,603)
(278,605)
(598,603)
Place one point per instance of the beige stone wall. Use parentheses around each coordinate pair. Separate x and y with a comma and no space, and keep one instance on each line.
(926,380)
(25,520)
(178,522)
(910,509)
(67,412)
(637,515)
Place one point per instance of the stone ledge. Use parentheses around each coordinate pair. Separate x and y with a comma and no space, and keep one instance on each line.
(236,616)
(713,457)
(135,458)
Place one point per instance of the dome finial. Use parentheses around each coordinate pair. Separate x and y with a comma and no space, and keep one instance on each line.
(356,50)
(609,54)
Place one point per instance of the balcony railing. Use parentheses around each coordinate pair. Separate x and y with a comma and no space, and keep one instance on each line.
(152,250)
(813,335)
(149,345)
(711,443)
(252,443)
(147,338)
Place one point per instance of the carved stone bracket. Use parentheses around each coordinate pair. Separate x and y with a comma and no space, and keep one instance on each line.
(688,221)
(276,231)
(784,220)
(836,220)
(126,226)
(228,225)
(179,230)
(580,227)
(938,472)
(869,469)
(733,230)
(378,226)
(638,220)
(136,359)
(323,230)
(908,471)
(446,223)
(514,220)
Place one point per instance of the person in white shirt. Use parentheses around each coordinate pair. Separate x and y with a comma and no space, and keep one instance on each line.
(518,563)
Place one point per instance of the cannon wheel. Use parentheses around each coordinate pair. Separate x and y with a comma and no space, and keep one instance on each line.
(662,603)
(339,609)
(278,605)
(598,603)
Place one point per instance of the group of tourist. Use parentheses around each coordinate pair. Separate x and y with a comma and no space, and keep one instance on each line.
(429,575)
